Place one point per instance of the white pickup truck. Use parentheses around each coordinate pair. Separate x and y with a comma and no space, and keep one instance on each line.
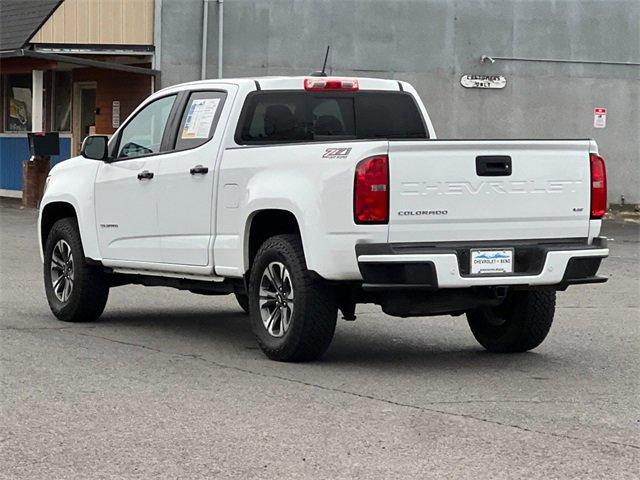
(308,195)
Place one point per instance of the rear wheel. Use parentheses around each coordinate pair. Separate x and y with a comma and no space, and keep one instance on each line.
(519,324)
(293,313)
(76,291)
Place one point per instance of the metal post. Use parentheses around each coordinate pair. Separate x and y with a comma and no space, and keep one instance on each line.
(220,35)
(205,24)
(157,41)
(493,59)
(37,104)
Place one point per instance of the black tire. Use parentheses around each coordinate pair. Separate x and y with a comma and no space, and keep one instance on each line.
(313,318)
(90,289)
(521,323)
(243,301)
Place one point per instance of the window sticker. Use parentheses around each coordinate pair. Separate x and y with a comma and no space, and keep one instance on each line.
(199,118)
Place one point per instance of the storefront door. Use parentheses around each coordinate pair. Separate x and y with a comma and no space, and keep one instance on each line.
(84,112)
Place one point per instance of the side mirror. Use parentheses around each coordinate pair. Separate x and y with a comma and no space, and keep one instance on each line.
(94,147)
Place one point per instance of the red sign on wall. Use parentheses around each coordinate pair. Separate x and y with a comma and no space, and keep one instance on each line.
(599,117)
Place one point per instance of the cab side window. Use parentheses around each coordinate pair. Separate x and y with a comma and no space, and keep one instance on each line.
(199,119)
(143,134)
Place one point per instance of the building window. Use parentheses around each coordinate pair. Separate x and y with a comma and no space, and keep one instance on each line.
(61,102)
(17,117)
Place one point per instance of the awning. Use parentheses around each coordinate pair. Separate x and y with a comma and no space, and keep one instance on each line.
(73,60)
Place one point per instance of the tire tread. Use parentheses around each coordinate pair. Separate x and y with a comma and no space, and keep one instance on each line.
(527,327)
(90,288)
(310,340)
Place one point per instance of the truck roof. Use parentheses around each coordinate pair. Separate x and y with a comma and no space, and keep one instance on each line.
(291,83)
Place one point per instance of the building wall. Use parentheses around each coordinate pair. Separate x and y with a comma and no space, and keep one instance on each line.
(109,87)
(112,22)
(128,88)
(431,43)
(14,149)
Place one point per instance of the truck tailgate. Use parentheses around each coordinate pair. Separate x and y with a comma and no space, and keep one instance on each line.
(474,190)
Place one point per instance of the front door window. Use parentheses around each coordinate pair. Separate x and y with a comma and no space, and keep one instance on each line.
(143,134)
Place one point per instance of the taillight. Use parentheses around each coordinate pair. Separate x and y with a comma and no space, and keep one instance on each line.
(325,83)
(598,186)
(371,190)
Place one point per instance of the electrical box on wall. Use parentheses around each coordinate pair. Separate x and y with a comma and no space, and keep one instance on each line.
(44,144)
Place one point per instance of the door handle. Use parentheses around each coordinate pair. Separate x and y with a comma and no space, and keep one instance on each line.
(198,170)
(493,166)
(145,175)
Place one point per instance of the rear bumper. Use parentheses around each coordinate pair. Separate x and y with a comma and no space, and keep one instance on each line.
(404,266)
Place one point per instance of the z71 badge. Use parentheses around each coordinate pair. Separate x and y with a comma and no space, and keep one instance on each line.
(336,153)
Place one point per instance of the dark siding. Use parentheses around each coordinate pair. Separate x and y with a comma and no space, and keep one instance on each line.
(20,19)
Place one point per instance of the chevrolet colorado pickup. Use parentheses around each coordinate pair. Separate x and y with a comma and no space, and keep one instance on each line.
(308,195)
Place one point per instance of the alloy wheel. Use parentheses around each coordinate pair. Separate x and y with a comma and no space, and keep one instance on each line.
(276,299)
(62,274)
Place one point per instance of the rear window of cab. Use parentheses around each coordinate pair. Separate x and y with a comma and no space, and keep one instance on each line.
(270,117)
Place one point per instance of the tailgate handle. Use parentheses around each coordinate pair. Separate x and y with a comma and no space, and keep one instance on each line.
(493,165)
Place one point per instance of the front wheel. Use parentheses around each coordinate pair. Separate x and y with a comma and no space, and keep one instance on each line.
(76,291)
(293,313)
(519,324)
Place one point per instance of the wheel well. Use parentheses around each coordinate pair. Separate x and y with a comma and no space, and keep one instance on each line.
(51,214)
(267,223)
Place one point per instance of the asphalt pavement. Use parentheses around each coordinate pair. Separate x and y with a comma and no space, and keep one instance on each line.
(169,384)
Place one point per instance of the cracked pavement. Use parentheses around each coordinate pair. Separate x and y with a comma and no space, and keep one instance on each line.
(170,384)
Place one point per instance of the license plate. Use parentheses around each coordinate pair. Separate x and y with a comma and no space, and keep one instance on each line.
(487,262)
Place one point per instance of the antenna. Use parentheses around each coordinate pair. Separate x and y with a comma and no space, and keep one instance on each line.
(324,65)
(326,56)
